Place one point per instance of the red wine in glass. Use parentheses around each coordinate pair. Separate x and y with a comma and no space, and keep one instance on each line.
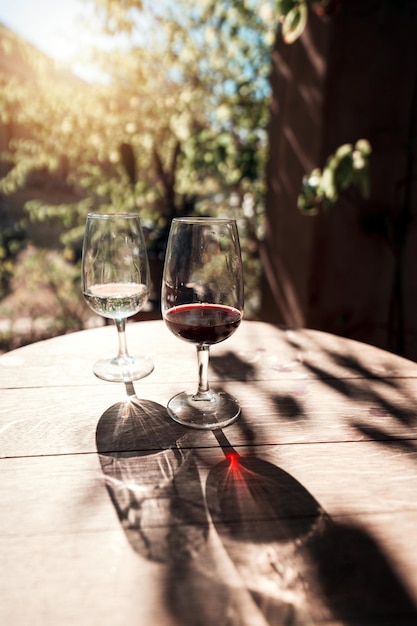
(203,323)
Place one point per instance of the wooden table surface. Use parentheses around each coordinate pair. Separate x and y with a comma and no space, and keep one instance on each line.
(304,511)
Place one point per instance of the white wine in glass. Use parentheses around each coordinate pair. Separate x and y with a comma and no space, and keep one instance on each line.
(116,284)
(202,302)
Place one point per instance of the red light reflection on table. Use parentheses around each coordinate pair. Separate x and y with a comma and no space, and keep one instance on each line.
(234,462)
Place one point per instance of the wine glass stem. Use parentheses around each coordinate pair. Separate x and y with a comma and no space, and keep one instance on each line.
(121,333)
(203,354)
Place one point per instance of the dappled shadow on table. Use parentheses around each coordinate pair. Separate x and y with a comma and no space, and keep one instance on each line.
(300,566)
(231,367)
(242,541)
(390,414)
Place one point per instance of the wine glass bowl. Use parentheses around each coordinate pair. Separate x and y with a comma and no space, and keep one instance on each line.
(202,303)
(116,284)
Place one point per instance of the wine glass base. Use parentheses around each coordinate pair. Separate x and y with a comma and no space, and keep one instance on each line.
(123,369)
(216,410)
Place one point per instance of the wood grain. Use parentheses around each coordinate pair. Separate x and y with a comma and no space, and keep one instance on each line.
(302,512)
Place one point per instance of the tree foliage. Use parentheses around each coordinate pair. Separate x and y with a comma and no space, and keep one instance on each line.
(198,75)
(178,128)
(348,166)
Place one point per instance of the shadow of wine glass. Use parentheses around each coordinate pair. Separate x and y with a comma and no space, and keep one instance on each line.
(245,494)
(238,576)
(140,427)
(243,491)
(300,565)
(153,480)
(263,516)
(142,460)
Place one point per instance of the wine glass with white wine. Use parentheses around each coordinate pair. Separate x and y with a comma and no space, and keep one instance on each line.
(116,285)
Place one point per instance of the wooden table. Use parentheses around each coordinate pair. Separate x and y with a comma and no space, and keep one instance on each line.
(302,512)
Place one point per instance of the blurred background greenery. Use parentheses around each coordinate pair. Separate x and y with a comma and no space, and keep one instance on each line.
(177,126)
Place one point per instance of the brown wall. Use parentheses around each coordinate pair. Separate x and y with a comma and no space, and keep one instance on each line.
(352,74)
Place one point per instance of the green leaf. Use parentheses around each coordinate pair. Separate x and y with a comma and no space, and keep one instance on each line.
(285,6)
(364,147)
(344,173)
(328,184)
(346,167)
(294,23)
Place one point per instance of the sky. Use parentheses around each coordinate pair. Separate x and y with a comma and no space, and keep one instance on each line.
(53,26)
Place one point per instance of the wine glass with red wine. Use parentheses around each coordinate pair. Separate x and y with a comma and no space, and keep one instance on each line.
(202,302)
(116,284)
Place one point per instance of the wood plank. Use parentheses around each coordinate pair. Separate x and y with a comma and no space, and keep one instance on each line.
(256,351)
(301,512)
(90,579)
(62,420)
(68,492)
(77,536)
(96,579)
